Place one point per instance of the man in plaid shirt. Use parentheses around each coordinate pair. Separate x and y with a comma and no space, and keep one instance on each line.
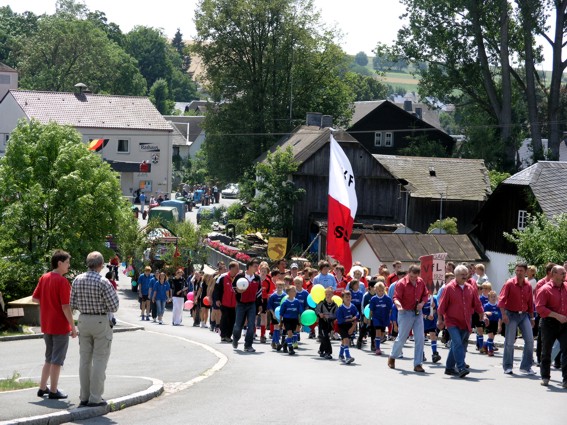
(94,297)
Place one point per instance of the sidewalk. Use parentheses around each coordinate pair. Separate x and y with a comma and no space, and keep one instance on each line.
(135,374)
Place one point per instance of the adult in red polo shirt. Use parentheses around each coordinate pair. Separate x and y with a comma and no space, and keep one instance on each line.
(548,268)
(551,304)
(226,301)
(53,294)
(517,307)
(409,297)
(393,277)
(458,302)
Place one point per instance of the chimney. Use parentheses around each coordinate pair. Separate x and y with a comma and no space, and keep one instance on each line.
(326,121)
(419,112)
(314,118)
(408,106)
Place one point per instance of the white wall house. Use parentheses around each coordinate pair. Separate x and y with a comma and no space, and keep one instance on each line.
(131,128)
(8,81)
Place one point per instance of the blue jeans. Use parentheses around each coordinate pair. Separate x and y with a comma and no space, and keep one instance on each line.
(457,352)
(160,307)
(408,320)
(521,321)
(245,311)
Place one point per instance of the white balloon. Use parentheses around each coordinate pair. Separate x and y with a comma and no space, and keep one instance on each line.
(242,284)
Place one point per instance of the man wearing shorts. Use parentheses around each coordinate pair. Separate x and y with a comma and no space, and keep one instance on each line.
(52,294)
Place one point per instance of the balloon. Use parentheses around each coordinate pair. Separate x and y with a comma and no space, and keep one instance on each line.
(191,296)
(283,299)
(207,301)
(338,300)
(277,313)
(242,284)
(306,329)
(134,283)
(308,317)
(318,293)
(311,302)
(188,305)
(367,311)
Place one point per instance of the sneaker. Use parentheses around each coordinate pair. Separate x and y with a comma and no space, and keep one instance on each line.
(263,339)
(274,346)
(463,373)
(483,350)
(508,371)
(322,355)
(391,363)
(57,396)
(160,322)
(234,344)
(359,344)
(295,345)
(83,403)
(383,339)
(378,352)
(102,403)
(342,358)
(544,382)
(311,335)
(349,360)
(436,357)
(285,348)
(279,347)
(41,393)
(328,356)
(529,371)
(249,349)
(419,368)
(490,354)
(495,348)
(451,372)
(154,321)
(291,351)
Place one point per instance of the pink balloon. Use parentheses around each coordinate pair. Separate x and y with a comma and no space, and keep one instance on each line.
(188,305)
(191,296)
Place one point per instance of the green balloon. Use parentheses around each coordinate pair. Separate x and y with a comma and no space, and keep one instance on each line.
(283,299)
(308,317)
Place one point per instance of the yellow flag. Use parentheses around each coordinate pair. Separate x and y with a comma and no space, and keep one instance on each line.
(277,247)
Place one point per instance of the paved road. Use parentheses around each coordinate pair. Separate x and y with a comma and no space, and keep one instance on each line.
(306,389)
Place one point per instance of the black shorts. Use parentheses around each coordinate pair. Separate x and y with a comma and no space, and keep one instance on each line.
(492,327)
(264,305)
(344,329)
(290,324)
(428,330)
(380,328)
(145,298)
(477,322)
(272,318)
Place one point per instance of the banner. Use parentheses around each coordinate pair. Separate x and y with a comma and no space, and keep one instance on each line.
(277,247)
(433,271)
(342,206)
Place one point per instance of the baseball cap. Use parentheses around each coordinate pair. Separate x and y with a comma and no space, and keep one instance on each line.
(294,266)
(147,269)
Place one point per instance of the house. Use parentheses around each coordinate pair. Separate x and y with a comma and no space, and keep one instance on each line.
(537,189)
(196,107)
(525,151)
(189,134)
(384,127)
(373,249)
(8,81)
(126,130)
(434,188)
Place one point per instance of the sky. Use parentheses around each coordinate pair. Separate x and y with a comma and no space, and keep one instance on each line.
(362,22)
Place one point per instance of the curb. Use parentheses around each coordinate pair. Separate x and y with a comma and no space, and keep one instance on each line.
(117,329)
(76,414)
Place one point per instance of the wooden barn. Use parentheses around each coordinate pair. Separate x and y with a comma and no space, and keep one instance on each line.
(383,127)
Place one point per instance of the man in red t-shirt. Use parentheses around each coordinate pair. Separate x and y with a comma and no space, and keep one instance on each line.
(393,277)
(53,294)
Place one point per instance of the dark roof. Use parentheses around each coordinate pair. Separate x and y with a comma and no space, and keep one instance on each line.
(6,68)
(89,110)
(390,247)
(184,123)
(547,180)
(306,140)
(363,108)
(456,178)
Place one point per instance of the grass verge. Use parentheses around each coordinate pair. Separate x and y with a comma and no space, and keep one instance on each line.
(14,383)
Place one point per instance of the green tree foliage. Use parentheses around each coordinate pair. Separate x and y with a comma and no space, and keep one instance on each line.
(361,59)
(422,146)
(269,62)
(366,88)
(449,225)
(177,42)
(542,240)
(276,194)
(159,96)
(13,28)
(56,194)
(65,51)
(496,177)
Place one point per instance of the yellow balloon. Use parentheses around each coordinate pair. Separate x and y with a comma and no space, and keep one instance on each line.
(318,293)
(338,300)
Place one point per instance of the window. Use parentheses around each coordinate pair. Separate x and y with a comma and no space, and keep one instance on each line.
(389,140)
(378,139)
(522,219)
(123,146)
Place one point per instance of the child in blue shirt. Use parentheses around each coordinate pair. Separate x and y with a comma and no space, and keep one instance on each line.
(301,296)
(495,321)
(290,312)
(347,317)
(380,310)
(366,326)
(274,302)
(429,312)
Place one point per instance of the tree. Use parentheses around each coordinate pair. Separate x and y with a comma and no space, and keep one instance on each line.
(268,62)
(366,88)
(13,28)
(448,224)
(543,240)
(159,96)
(273,206)
(178,43)
(56,194)
(361,59)
(422,146)
(65,51)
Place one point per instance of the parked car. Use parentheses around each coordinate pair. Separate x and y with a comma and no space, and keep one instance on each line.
(164,214)
(205,212)
(230,191)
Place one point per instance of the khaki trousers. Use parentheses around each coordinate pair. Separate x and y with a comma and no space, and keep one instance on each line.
(95,340)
